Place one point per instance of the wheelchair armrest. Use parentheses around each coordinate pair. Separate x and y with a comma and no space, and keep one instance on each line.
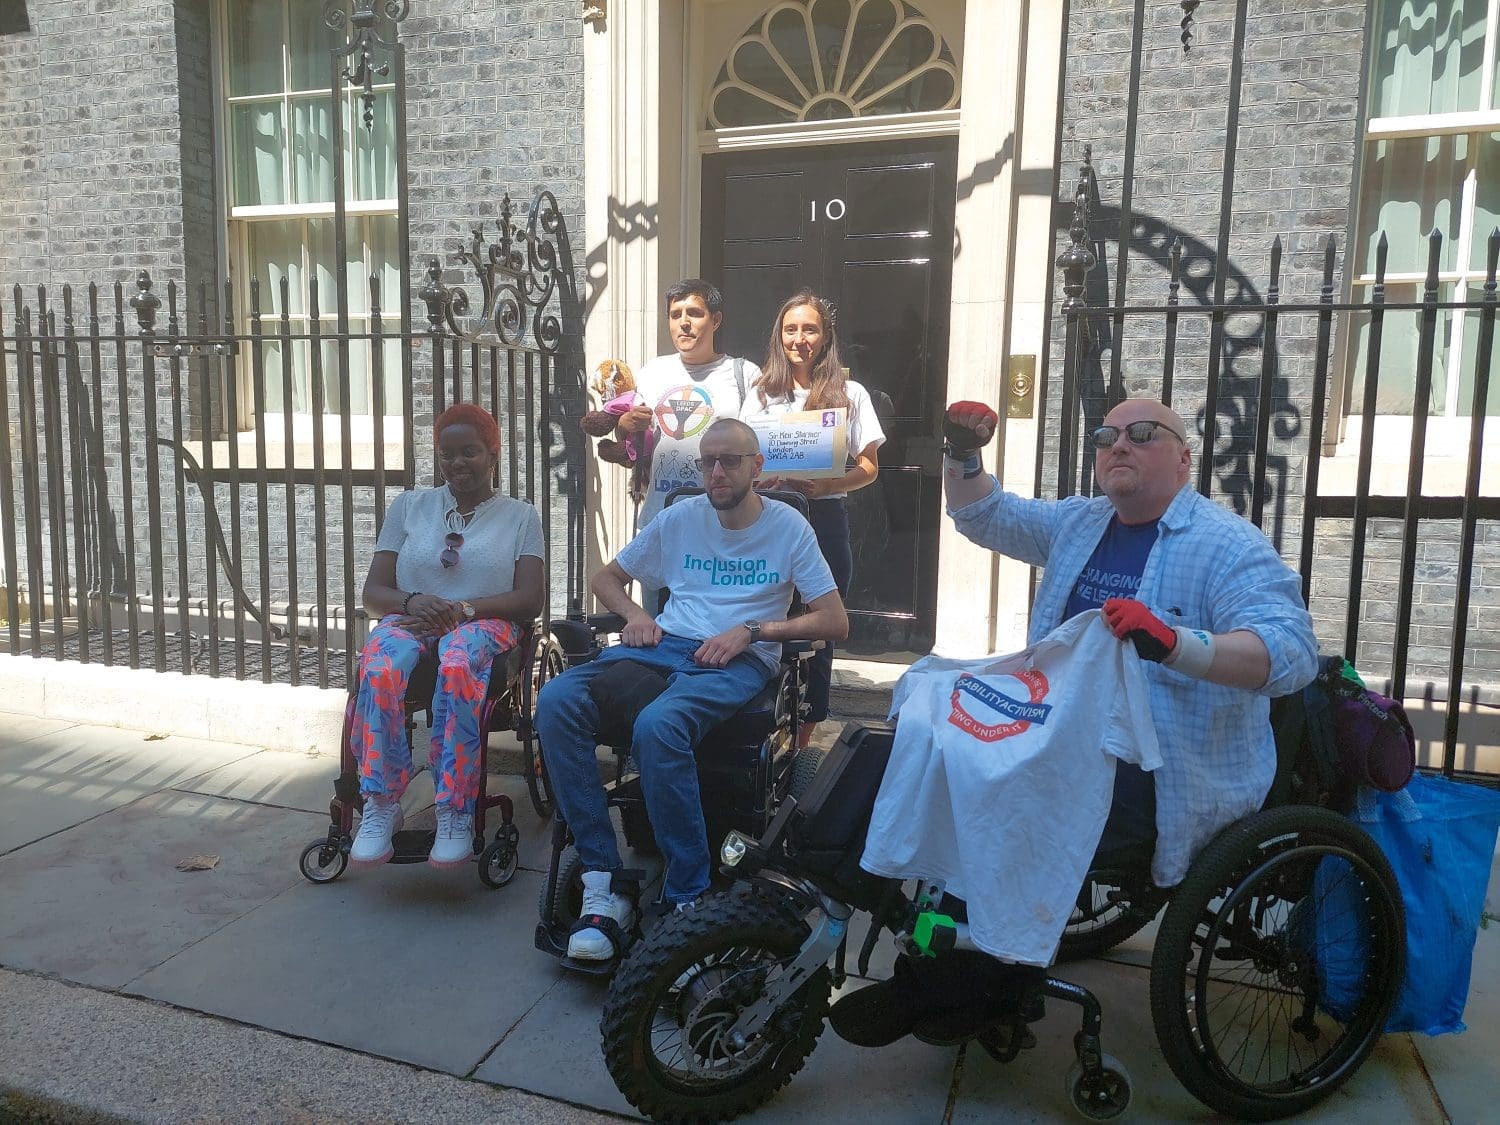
(605,622)
(799,650)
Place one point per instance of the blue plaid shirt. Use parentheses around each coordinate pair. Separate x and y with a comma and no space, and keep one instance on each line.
(1209,569)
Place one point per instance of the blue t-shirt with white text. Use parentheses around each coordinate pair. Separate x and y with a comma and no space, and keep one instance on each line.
(1114,569)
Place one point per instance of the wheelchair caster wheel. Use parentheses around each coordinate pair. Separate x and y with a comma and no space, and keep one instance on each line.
(498,862)
(1102,1096)
(322,862)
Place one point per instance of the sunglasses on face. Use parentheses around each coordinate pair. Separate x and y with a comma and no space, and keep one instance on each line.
(451,543)
(729,462)
(1139,433)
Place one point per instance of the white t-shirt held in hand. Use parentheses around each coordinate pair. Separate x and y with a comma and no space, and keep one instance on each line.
(685,399)
(720,578)
(1002,775)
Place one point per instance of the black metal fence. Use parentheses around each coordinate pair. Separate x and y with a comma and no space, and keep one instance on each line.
(1391,576)
(141,524)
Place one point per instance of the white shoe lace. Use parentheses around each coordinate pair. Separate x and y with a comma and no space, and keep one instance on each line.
(379,818)
(599,902)
(453,825)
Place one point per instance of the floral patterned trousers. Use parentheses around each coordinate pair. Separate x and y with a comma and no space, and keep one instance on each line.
(378,733)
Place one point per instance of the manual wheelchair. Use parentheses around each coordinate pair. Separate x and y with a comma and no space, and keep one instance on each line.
(718,1008)
(746,767)
(516,676)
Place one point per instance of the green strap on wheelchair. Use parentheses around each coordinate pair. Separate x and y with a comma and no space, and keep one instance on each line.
(934,933)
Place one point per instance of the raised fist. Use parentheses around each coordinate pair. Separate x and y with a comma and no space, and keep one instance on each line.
(967,428)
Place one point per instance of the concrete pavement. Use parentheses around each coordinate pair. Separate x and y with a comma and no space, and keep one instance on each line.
(130,990)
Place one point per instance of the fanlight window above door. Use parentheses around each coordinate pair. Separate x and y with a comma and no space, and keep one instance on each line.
(830,60)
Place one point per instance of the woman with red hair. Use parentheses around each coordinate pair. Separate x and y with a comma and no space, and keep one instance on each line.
(457,570)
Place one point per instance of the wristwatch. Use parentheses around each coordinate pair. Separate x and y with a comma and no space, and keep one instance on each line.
(468,608)
(754,627)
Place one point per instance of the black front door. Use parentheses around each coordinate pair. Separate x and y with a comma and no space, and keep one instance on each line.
(870,227)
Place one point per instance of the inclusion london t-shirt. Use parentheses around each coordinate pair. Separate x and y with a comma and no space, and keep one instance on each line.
(721,578)
(685,399)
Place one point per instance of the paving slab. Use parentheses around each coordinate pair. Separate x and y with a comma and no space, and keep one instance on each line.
(103,903)
(283,778)
(429,967)
(555,1049)
(129,1059)
(1463,1066)
(16,727)
(56,779)
(1032,1088)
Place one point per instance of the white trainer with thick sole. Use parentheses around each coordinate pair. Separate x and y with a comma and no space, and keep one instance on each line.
(454,844)
(591,944)
(381,820)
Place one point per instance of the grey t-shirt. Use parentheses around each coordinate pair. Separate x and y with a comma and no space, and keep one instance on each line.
(721,578)
(500,532)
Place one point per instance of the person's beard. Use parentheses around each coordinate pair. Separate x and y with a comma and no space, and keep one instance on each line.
(733,500)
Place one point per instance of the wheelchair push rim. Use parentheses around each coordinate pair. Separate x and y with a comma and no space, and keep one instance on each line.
(545,665)
(1236,985)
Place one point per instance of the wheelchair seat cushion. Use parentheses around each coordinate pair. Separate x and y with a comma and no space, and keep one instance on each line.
(621,692)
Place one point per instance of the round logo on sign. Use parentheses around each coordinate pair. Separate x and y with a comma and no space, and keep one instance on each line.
(684,412)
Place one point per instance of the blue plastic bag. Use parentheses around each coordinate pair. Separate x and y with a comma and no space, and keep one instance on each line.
(1439,837)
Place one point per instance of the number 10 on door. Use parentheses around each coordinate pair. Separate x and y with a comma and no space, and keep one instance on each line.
(833,210)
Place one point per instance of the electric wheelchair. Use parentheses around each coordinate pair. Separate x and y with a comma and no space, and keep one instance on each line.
(718,1008)
(746,766)
(516,676)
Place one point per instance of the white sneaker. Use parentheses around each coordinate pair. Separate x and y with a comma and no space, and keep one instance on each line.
(591,944)
(454,844)
(381,820)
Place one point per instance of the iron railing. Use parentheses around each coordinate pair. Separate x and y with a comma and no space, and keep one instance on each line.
(1263,438)
(138,527)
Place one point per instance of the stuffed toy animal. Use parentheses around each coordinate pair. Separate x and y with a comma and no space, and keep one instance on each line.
(615,386)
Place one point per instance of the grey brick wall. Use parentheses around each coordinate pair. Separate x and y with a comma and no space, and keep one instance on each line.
(1295,154)
(108,168)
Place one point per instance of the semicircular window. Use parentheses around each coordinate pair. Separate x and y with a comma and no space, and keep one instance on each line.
(830,60)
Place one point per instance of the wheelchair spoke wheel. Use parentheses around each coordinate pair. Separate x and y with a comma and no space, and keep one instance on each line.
(545,665)
(1111,907)
(671,1006)
(1277,962)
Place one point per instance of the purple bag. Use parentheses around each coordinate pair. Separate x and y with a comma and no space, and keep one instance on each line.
(1374,737)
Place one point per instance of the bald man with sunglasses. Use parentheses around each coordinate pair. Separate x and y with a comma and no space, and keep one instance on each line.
(1198,590)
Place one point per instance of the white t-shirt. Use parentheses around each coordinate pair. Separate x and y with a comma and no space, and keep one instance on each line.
(686,398)
(864,425)
(500,532)
(721,578)
(1001,777)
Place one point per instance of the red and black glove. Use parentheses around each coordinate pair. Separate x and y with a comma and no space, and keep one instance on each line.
(961,429)
(1130,620)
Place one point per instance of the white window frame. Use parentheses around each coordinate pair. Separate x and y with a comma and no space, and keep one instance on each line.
(1447,429)
(234,232)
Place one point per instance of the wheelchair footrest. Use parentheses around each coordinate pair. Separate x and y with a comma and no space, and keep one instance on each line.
(412,845)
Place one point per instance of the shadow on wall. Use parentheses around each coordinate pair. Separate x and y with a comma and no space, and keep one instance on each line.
(13,19)
(1241,359)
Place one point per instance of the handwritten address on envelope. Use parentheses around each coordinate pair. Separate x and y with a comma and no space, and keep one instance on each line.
(807,444)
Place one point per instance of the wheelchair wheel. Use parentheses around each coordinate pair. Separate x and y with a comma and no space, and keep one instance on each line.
(564,906)
(804,769)
(1275,909)
(500,858)
(1108,911)
(680,990)
(322,862)
(1102,1096)
(546,664)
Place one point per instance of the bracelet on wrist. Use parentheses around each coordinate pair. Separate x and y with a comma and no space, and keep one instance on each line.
(406,601)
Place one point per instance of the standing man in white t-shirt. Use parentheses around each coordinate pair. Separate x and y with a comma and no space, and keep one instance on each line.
(730,560)
(686,392)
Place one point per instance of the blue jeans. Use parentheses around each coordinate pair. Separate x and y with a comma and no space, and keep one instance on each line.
(666,732)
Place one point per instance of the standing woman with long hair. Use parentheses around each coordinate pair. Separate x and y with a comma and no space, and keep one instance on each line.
(803,371)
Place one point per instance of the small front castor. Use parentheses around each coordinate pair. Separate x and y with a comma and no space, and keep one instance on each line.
(322,861)
(498,862)
(1102,1096)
